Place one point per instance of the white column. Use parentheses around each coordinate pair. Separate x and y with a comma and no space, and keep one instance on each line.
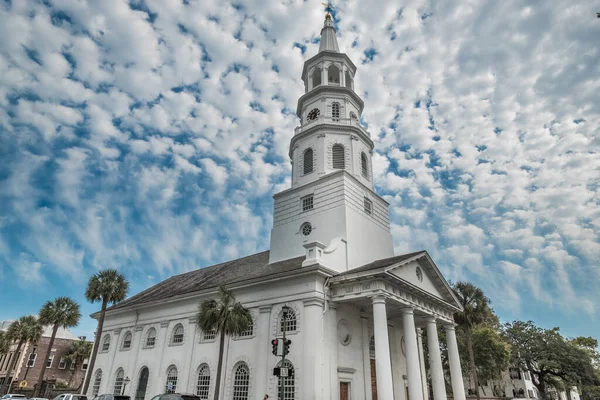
(435,361)
(366,357)
(324,77)
(262,351)
(114,344)
(422,363)
(311,349)
(190,345)
(454,360)
(132,370)
(413,369)
(383,366)
(334,385)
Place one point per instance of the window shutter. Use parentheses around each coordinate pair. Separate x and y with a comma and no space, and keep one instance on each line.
(338,156)
(308,161)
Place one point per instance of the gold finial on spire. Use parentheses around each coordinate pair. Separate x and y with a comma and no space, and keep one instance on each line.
(328,8)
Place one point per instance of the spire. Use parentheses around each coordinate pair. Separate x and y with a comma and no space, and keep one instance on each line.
(328,38)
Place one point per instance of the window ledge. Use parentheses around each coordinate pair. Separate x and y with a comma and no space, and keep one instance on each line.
(176,344)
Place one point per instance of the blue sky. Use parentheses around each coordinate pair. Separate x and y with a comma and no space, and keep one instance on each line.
(149,136)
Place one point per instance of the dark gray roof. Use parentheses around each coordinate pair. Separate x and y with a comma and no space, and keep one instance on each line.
(384,262)
(242,269)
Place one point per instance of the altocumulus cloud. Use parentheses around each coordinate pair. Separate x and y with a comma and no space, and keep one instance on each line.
(149,136)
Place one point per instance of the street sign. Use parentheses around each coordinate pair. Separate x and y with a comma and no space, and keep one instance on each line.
(23,384)
(283,372)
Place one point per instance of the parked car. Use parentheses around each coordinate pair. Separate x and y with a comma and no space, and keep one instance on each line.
(70,396)
(13,396)
(111,397)
(176,396)
(37,398)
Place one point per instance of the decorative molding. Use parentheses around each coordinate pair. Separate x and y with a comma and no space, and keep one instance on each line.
(138,328)
(264,309)
(313,302)
(346,370)
(193,320)
(117,331)
(164,324)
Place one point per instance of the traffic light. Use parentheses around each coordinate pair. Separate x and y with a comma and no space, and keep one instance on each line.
(275,344)
(286,346)
(276,371)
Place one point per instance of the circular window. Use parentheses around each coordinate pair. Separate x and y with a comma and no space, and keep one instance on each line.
(306,229)
(419,274)
(344,332)
(313,114)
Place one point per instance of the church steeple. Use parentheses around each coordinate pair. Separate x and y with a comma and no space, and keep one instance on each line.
(331,213)
(328,36)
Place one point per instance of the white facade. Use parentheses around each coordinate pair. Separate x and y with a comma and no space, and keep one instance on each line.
(358,310)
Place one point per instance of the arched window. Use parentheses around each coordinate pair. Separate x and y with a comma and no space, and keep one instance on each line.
(338,156)
(119,377)
(106,343)
(335,111)
(348,80)
(203,381)
(288,322)
(171,386)
(364,165)
(308,161)
(127,340)
(177,334)
(241,382)
(97,382)
(140,393)
(316,77)
(289,388)
(151,337)
(333,74)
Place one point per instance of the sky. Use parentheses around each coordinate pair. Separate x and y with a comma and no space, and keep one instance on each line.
(150,135)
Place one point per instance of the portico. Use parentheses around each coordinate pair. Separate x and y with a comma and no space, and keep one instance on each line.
(407,293)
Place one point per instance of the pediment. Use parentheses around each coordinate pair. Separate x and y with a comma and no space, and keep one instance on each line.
(424,275)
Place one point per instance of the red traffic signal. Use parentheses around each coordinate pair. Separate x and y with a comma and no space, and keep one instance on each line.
(275,344)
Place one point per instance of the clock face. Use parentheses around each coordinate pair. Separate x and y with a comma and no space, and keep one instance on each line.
(313,114)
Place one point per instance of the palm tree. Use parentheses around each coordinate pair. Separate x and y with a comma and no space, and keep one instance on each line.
(225,316)
(476,310)
(25,329)
(4,343)
(107,286)
(61,312)
(78,351)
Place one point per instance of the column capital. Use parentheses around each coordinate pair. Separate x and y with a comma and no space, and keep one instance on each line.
(331,305)
(431,319)
(379,299)
(449,327)
(408,310)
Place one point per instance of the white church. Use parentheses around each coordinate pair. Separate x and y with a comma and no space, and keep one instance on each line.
(357,311)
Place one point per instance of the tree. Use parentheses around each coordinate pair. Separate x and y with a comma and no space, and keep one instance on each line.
(552,360)
(24,330)
(476,311)
(107,287)
(61,312)
(226,317)
(490,350)
(78,351)
(4,343)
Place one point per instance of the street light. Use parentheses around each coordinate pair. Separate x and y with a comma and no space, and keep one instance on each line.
(125,382)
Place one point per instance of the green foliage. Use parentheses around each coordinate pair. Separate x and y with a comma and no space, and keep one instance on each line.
(553,360)
(79,350)
(25,329)
(4,343)
(492,355)
(225,315)
(108,286)
(62,311)
(60,384)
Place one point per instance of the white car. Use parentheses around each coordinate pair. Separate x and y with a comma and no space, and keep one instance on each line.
(13,396)
(71,397)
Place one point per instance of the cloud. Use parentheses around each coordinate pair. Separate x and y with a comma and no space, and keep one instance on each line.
(151,138)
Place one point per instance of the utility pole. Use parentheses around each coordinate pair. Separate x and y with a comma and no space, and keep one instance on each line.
(284,315)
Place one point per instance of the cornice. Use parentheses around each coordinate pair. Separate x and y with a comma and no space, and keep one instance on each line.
(330,127)
(319,91)
(324,55)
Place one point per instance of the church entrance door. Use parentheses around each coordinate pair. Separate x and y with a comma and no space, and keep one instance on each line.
(140,393)
(373,380)
(344,391)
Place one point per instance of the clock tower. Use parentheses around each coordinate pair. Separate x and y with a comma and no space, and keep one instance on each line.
(331,213)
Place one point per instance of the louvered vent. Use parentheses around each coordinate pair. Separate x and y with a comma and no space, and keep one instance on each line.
(364,165)
(335,111)
(338,156)
(308,161)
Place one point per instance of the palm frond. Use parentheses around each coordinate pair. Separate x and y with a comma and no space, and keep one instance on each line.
(109,285)
(61,311)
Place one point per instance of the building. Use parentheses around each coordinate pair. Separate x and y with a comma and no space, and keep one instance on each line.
(517,383)
(30,361)
(356,311)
